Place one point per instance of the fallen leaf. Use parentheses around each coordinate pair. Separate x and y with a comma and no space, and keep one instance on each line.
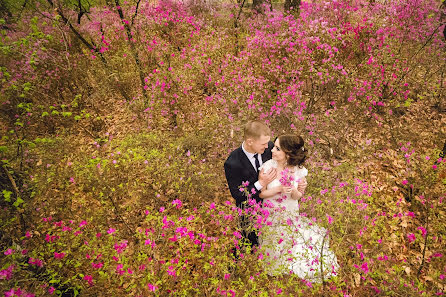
(357,279)
(408,270)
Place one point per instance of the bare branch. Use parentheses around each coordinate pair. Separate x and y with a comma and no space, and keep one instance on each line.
(136,12)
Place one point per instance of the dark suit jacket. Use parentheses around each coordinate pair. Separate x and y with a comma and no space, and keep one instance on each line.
(239,169)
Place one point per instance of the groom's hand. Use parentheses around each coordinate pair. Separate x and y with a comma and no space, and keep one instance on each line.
(266,177)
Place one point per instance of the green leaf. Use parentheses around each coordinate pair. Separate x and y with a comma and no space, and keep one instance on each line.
(18,202)
(7,195)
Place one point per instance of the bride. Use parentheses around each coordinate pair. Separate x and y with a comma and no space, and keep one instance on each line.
(292,243)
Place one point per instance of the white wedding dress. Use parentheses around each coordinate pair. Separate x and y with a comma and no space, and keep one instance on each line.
(292,243)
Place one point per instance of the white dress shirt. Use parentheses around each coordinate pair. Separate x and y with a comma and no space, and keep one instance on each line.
(253,163)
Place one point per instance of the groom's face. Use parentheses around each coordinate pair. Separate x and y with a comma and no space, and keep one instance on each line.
(260,144)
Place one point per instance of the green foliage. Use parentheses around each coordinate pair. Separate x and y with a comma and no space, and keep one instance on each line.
(79,152)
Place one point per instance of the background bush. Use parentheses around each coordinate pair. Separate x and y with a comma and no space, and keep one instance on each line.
(117,118)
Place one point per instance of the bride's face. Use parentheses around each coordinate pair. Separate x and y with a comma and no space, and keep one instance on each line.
(278,155)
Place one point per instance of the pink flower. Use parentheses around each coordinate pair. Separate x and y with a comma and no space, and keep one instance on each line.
(171,271)
(36,262)
(227,275)
(111,231)
(12,293)
(6,273)
(152,287)
(51,290)
(423,231)
(411,237)
(404,182)
(89,279)
(9,252)
(330,219)
(286,180)
(120,247)
(178,203)
(59,255)
(365,267)
(97,265)
(383,258)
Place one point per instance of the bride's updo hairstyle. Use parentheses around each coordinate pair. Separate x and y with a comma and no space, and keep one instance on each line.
(293,147)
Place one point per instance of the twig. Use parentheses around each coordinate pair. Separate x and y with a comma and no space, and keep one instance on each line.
(419,50)
(119,215)
(322,261)
(78,35)
(133,49)
(66,45)
(236,24)
(425,241)
(11,180)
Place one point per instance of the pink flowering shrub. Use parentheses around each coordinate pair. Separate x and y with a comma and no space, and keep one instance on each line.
(115,131)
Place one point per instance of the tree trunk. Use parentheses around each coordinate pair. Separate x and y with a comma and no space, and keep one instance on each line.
(257,5)
(133,49)
(92,47)
(291,5)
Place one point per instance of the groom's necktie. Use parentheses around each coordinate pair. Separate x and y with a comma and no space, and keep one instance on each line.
(257,162)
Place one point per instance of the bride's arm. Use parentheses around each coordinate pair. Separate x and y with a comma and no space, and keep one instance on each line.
(297,193)
(267,193)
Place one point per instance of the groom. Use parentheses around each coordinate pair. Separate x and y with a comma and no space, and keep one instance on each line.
(243,165)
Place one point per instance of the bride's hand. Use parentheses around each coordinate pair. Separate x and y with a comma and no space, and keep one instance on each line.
(302,185)
(278,189)
(287,190)
(295,194)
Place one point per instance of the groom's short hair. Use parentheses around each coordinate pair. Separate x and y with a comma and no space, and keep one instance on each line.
(255,129)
